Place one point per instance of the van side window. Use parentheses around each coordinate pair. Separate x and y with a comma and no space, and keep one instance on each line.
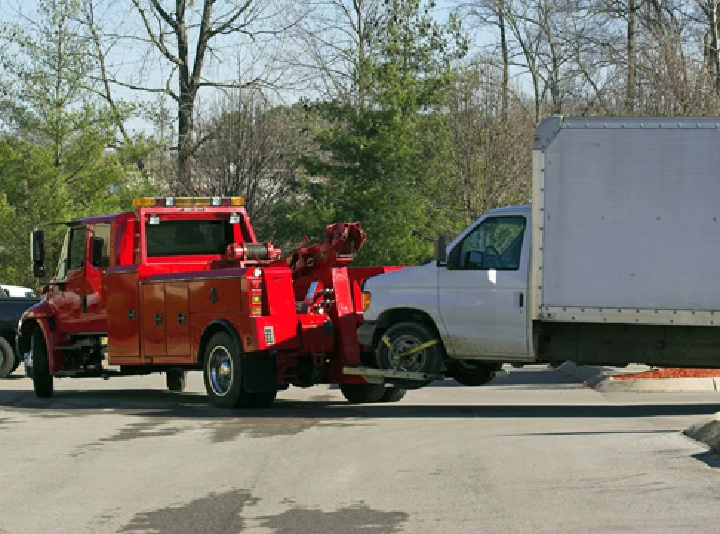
(496,243)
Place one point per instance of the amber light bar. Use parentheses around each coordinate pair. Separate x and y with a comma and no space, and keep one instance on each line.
(183,202)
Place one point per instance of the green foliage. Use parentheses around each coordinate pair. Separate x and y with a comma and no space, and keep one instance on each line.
(36,191)
(381,162)
(55,160)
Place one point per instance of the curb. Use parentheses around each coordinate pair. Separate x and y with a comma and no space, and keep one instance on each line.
(707,432)
(666,385)
(600,379)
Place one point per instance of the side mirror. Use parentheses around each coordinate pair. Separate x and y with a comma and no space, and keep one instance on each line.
(441,251)
(97,251)
(474,259)
(37,253)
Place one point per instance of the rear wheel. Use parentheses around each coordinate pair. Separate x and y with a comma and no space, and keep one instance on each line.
(393,394)
(410,347)
(42,379)
(362,393)
(223,375)
(472,373)
(175,379)
(263,399)
(7,358)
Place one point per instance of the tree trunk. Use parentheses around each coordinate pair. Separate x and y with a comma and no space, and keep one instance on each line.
(505,60)
(631,56)
(713,8)
(362,56)
(185,144)
(186,107)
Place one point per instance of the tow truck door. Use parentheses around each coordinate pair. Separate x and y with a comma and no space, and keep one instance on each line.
(71,281)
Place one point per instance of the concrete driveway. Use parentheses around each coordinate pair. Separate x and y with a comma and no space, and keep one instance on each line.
(532,452)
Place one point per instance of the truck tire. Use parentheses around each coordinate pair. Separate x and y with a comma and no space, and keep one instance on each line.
(223,374)
(470,373)
(393,394)
(263,399)
(7,358)
(405,336)
(175,379)
(17,363)
(41,377)
(362,393)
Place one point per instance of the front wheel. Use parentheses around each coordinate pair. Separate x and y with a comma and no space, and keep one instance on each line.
(410,347)
(41,377)
(471,373)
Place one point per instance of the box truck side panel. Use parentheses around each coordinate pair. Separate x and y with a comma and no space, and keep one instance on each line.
(630,222)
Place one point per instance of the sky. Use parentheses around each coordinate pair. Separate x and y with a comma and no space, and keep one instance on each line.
(233,57)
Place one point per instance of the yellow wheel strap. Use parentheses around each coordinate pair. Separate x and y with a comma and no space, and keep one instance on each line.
(420,347)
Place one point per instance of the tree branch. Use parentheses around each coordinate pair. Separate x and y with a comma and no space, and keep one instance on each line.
(157,42)
(229,85)
(202,44)
(166,91)
(227,25)
(167,18)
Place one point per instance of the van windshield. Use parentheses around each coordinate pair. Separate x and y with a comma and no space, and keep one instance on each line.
(188,237)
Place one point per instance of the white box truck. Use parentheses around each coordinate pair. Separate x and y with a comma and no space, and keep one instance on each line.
(615,262)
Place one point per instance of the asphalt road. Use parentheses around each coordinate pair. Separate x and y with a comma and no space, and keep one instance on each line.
(533,452)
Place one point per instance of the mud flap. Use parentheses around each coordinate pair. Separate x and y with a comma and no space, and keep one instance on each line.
(259,373)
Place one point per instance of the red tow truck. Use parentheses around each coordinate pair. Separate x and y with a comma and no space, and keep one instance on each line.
(182,284)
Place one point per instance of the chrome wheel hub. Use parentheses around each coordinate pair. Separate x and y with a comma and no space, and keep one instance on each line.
(220,371)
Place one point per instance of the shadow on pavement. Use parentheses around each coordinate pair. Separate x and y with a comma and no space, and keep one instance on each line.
(154,403)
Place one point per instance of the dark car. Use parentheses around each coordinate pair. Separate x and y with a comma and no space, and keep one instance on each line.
(11,308)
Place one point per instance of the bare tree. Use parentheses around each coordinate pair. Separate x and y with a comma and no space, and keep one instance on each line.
(711,11)
(185,34)
(336,43)
(250,151)
(88,16)
(495,13)
(491,163)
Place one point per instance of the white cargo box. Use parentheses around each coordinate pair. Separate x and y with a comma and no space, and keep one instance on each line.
(626,221)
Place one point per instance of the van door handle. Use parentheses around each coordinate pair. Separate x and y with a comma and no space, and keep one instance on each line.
(520,299)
